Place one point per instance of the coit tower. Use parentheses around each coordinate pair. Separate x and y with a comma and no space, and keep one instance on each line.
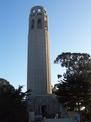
(38,68)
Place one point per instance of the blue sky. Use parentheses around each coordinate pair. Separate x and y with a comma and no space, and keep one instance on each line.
(69,31)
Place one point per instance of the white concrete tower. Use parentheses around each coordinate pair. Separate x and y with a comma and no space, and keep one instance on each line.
(38,75)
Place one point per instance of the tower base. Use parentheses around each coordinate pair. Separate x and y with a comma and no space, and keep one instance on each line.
(46,105)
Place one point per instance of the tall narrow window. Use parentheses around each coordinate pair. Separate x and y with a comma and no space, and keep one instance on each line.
(32,24)
(46,23)
(39,24)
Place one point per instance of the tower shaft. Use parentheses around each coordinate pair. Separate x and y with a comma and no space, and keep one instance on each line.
(38,75)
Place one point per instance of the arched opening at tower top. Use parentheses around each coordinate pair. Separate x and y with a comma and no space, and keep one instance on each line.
(32,23)
(39,23)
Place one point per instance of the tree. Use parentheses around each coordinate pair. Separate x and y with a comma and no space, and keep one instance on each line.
(74,90)
(13,103)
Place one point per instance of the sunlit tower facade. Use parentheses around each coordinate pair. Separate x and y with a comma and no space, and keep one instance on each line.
(38,68)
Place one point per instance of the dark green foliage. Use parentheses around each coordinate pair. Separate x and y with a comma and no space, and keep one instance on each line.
(74,90)
(13,105)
